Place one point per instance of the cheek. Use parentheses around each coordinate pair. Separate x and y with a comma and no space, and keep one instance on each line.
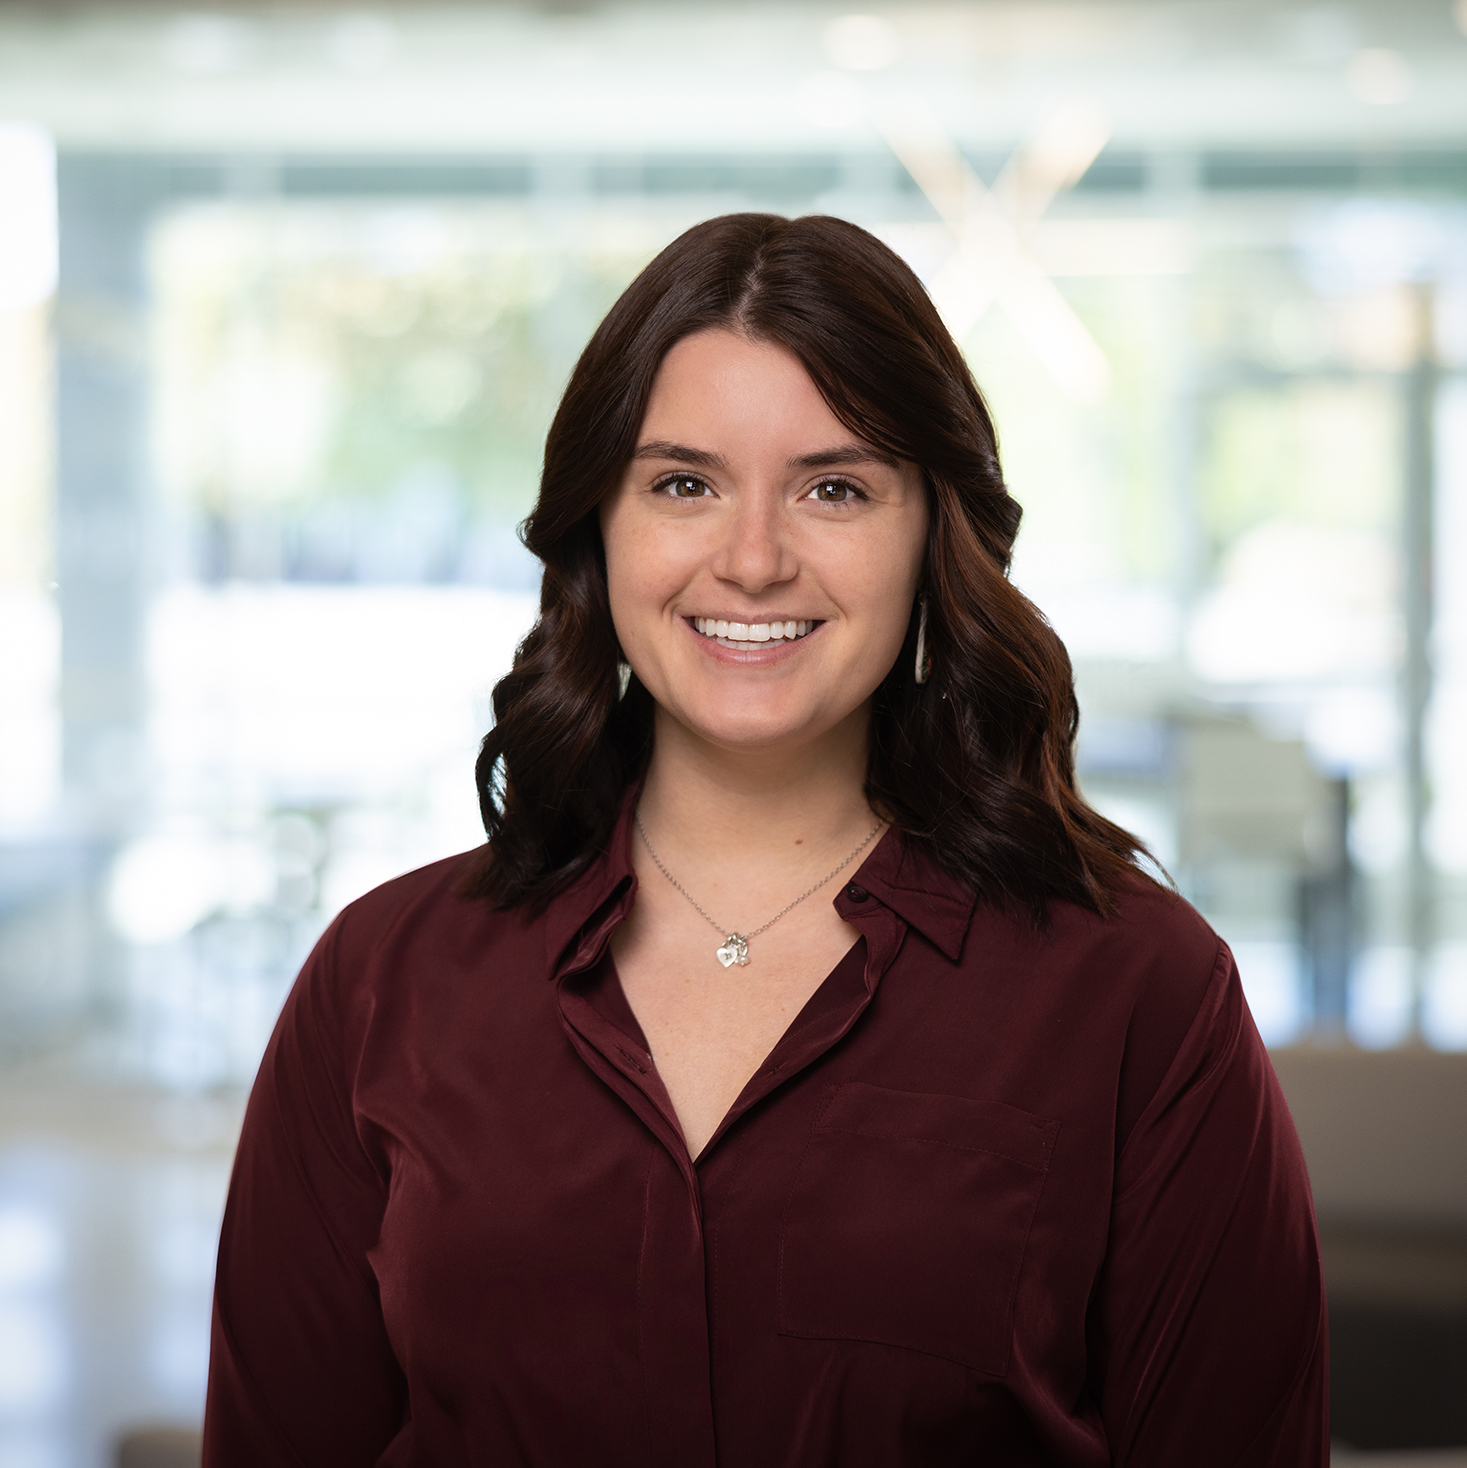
(618,546)
(642,572)
(625,591)
(890,594)
(886,582)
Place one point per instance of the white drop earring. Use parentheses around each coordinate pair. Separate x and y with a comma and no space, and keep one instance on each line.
(623,679)
(922,667)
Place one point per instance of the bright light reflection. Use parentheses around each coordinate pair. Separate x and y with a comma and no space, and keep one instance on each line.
(1298,602)
(1274,989)
(32,1450)
(1444,1006)
(161,886)
(183,1252)
(1365,242)
(1148,819)
(33,1358)
(327,692)
(30,742)
(178,1354)
(28,208)
(1128,623)
(1379,1013)
(861,42)
(31,1250)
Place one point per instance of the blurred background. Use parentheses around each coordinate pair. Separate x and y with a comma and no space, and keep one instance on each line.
(287,296)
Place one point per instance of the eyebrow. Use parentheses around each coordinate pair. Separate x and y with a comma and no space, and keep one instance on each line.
(682,454)
(846,453)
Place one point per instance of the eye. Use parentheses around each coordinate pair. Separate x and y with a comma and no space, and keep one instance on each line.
(683,487)
(834,492)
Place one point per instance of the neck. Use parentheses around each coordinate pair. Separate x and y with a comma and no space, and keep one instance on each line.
(703,801)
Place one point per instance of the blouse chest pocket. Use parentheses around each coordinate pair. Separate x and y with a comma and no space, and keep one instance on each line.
(907,1222)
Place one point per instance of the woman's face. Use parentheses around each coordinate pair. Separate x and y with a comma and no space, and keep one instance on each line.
(762,560)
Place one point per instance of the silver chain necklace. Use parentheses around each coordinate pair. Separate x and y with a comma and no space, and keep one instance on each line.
(735,946)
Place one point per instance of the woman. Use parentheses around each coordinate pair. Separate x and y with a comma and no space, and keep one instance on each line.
(803,1074)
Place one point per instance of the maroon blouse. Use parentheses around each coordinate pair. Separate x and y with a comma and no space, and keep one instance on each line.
(995,1197)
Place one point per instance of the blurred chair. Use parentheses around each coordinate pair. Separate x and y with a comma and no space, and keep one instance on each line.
(1416,1458)
(1385,1137)
(160,1447)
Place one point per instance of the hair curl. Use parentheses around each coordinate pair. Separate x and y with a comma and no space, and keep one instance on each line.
(976,766)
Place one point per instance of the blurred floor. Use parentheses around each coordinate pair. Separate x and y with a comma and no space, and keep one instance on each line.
(110,1199)
(111,1193)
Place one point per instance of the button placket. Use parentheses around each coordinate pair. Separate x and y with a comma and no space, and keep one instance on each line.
(673,1323)
(638,1063)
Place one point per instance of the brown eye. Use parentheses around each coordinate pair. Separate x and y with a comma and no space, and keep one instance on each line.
(684,487)
(833,492)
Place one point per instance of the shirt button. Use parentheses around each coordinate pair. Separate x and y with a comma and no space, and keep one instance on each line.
(857,894)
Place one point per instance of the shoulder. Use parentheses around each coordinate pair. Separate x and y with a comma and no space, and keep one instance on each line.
(1167,969)
(406,968)
(1160,950)
(1127,988)
(433,887)
(1152,940)
(426,918)
(1154,935)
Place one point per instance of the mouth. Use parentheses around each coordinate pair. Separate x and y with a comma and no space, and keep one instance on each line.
(743,636)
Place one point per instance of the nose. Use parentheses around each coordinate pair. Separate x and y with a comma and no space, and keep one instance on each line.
(756,552)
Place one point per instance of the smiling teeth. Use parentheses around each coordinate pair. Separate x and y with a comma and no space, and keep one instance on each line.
(752,632)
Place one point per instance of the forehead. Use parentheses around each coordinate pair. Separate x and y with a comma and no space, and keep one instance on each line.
(728,381)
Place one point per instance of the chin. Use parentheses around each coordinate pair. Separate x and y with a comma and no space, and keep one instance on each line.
(756,728)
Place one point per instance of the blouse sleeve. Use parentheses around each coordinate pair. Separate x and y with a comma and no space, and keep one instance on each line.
(1208,1326)
(301,1371)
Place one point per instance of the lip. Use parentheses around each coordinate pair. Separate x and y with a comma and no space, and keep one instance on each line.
(751,654)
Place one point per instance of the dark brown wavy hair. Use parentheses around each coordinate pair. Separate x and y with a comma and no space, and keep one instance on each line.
(976,766)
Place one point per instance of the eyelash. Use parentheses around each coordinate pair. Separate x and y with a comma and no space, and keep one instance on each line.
(665,484)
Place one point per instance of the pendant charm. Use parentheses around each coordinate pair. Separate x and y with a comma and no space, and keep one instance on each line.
(735,950)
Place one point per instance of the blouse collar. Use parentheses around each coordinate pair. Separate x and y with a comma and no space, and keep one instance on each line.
(581,919)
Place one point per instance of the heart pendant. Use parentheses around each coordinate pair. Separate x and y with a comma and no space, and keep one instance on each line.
(735,950)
